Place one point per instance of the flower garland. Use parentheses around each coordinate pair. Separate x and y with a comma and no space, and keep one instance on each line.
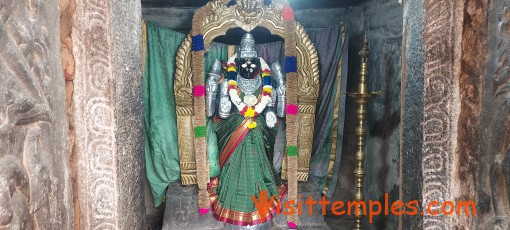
(199,120)
(292,109)
(245,110)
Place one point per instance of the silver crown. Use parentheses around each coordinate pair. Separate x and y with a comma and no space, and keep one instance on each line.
(247,47)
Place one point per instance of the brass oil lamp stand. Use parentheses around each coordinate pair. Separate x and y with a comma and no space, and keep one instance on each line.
(362,97)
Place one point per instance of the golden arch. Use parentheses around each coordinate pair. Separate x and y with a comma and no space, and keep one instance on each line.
(218,21)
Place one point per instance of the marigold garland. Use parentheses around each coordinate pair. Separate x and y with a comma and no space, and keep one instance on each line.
(252,125)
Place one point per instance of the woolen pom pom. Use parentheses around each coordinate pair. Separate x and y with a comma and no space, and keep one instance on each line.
(290,64)
(197,43)
(292,151)
(200,131)
(203,211)
(287,13)
(292,109)
(232,76)
(199,90)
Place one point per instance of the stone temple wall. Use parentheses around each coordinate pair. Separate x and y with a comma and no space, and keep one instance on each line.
(488,168)
(382,22)
(35,179)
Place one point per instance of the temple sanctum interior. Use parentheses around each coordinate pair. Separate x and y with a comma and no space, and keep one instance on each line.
(255,114)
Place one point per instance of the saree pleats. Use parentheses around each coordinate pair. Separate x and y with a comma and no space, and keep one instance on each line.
(246,173)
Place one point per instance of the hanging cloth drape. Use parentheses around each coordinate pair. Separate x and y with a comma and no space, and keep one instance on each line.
(161,152)
(332,46)
(161,140)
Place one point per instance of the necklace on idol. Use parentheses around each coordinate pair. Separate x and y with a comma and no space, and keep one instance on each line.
(251,106)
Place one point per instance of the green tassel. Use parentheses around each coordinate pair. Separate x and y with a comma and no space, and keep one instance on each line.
(292,151)
(200,131)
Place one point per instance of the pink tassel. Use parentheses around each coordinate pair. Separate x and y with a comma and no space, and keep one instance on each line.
(292,225)
(292,109)
(199,91)
(203,211)
(287,13)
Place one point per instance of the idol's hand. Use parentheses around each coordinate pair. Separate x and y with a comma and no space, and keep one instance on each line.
(280,90)
(212,88)
(271,118)
(225,103)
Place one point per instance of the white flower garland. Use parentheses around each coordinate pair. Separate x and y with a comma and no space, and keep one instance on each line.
(259,107)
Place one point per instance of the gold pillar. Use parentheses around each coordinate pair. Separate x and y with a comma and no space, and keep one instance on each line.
(361,96)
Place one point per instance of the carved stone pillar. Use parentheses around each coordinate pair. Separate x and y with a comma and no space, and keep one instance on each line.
(442,40)
(464,112)
(35,183)
(108,114)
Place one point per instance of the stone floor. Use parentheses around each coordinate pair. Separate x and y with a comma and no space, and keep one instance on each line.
(181,212)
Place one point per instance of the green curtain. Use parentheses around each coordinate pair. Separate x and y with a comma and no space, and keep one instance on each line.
(332,48)
(161,143)
(161,151)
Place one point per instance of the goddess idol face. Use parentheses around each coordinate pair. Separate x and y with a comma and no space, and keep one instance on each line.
(248,63)
(249,68)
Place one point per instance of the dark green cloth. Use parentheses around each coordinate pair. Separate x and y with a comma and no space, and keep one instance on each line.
(161,151)
(331,49)
(161,140)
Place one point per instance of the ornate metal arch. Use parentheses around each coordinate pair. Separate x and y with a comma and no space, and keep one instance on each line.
(246,15)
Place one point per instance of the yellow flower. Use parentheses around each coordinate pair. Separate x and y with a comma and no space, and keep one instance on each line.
(232,82)
(249,112)
(268,89)
(252,125)
(232,69)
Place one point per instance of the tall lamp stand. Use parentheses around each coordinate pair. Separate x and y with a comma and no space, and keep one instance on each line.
(362,96)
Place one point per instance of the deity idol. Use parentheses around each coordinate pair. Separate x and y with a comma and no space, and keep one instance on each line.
(246,134)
